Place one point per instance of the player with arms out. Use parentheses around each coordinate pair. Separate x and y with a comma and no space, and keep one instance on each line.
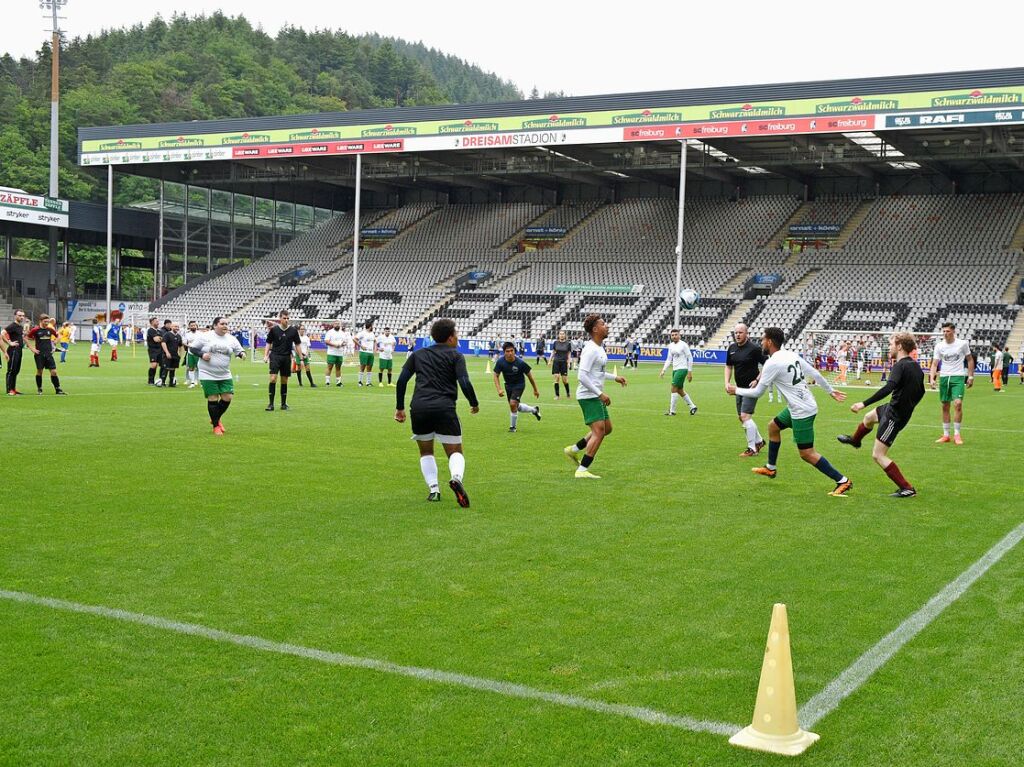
(906,385)
(282,343)
(744,358)
(515,370)
(214,351)
(366,340)
(44,337)
(591,397)
(438,369)
(681,361)
(787,372)
(955,356)
(560,351)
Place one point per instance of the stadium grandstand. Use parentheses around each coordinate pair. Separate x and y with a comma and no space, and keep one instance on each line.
(811,205)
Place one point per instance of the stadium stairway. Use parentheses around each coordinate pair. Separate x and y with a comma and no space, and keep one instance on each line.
(426,316)
(798,217)
(803,282)
(1016,337)
(1017,241)
(1010,294)
(574,230)
(502,280)
(723,336)
(735,282)
(853,223)
(513,241)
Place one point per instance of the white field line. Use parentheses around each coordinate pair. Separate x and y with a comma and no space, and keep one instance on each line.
(848,682)
(507,689)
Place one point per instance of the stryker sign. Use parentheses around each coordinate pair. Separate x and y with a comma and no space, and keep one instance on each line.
(31,209)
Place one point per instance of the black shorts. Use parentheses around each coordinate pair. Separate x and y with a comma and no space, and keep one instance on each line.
(442,425)
(515,394)
(745,404)
(889,425)
(44,360)
(171,363)
(156,355)
(281,365)
(559,367)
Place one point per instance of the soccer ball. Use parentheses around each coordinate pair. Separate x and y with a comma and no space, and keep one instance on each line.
(867,382)
(689,299)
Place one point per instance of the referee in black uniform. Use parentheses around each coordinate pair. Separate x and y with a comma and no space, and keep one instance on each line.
(906,385)
(155,349)
(438,369)
(282,342)
(14,340)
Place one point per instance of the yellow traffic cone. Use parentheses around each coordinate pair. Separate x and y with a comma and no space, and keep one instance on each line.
(487,368)
(615,370)
(775,728)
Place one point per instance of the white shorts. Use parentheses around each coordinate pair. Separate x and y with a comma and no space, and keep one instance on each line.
(112,342)
(94,349)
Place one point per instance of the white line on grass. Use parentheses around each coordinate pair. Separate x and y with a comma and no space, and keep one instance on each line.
(848,682)
(508,689)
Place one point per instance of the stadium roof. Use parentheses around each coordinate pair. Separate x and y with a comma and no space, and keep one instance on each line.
(944,124)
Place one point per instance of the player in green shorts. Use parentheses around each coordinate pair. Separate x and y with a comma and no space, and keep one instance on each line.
(681,361)
(955,357)
(366,340)
(190,337)
(215,351)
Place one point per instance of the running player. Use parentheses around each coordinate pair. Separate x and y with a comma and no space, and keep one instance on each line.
(744,357)
(560,351)
(955,355)
(386,348)
(44,336)
(114,338)
(153,348)
(214,351)
(540,348)
(302,357)
(14,341)
(366,339)
(788,372)
(282,343)
(95,344)
(515,370)
(906,385)
(65,337)
(338,340)
(170,343)
(591,397)
(681,360)
(438,368)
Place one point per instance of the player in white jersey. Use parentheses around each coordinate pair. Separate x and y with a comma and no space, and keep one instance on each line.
(591,397)
(215,351)
(339,342)
(955,356)
(788,372)
(302,357)
(189,339)
(681,361)
(366,339)
(386,348)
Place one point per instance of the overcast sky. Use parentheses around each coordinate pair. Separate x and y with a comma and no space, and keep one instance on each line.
(583,49)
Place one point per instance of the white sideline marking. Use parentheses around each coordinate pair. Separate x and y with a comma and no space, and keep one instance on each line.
(508,689)
(848,682)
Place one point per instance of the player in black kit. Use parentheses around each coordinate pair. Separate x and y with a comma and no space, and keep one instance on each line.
(13,338)
(906,384)
(438,369)
(744,358)
(45,336)
(155,349)
(172,343)
(282,342)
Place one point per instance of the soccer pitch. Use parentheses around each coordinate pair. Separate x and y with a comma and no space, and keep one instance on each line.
(285,595)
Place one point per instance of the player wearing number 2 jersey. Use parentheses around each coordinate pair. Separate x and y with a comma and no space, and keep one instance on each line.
(787,372)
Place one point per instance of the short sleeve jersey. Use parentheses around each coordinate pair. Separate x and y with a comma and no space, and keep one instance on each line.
(43,336)
(154,336)
(282,340)
(336,342)
(744,361)
(367,339)
(952,357)
(561,349)
(386,346)
(173,341)
(221,349)
(786,371)
(513,372)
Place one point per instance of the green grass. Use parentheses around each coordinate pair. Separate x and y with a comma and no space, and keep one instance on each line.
(652,587)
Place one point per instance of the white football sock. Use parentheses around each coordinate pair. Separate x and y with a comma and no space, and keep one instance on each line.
(513,418)
(457,465)
(428,465)
(752,435)
(687,400)
(673,401)
(945,429)
(530,409)
(956,427)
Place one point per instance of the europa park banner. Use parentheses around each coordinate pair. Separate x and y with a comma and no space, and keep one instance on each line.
(833,115)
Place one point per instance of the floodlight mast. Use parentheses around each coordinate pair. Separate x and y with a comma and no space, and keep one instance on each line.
(54,7)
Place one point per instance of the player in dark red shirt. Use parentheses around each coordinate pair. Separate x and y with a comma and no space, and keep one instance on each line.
(44,338)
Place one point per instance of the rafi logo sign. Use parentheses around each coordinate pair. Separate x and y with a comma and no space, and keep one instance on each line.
(747,111)
(857,104)
(389,130)
(120,145)
(181,141)
(647,116)
(247,138)
(554,121)
(977,98)
(469,126)
(315,135)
